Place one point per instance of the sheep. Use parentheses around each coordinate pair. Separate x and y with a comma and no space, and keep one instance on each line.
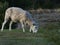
(19,15)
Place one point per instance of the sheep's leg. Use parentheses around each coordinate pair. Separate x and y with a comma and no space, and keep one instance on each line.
(30,29)
(3,24)
(10,25)
(23,26)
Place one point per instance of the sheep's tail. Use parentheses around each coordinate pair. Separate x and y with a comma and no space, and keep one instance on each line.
(8,14)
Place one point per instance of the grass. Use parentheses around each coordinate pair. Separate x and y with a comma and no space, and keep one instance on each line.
(17,37)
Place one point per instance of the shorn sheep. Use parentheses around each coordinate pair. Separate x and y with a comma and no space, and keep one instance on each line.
(19,15)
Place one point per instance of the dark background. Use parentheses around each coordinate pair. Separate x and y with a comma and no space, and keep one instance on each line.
(28,4)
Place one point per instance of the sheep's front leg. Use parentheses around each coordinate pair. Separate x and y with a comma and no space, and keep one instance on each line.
(10,25)
(23,26)
(30,29)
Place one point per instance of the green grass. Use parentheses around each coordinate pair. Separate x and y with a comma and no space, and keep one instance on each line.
(17,37)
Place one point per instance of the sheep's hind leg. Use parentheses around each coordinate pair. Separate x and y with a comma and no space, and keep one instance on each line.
(10,25)
(3,25)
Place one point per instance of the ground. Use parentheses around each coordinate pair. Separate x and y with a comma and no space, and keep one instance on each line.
(17,37)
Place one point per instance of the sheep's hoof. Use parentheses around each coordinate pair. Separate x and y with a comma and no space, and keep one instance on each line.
(9,29)
(1,30)
(23,31)
(30,31)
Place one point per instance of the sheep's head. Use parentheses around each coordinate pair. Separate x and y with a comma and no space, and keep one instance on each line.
(34,27)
